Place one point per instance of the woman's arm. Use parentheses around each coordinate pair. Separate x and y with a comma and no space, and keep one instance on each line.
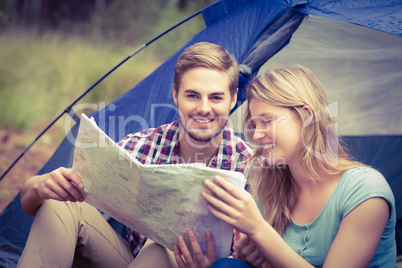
(238,209)
(359,235)
(354,246)
(55,185)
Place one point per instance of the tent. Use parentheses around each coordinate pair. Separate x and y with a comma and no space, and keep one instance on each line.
(353,46)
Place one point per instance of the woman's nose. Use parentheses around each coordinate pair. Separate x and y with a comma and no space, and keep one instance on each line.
(258,134)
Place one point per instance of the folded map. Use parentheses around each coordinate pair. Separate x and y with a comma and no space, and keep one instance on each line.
(158,201)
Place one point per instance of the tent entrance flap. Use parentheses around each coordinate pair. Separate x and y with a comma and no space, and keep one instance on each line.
(273,39)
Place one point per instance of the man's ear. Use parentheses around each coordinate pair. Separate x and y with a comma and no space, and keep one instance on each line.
(234,99)
(174,92)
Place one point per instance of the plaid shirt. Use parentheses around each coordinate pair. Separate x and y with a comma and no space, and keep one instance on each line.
(161,146)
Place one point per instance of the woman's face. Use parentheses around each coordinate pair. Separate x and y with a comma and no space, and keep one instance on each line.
(277,131)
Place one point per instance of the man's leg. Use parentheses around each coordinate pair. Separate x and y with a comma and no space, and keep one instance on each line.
(153,255)
(65,234)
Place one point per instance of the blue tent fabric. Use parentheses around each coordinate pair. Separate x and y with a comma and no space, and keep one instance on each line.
(252,31)
(384,15)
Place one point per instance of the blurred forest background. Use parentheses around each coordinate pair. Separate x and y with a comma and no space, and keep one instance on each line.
(52,51)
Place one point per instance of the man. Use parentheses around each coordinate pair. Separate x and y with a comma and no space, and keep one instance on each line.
(74,233)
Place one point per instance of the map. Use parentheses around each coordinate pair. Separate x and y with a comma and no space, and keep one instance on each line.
(158,201)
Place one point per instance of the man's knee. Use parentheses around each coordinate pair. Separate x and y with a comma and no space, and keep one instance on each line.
(53,211)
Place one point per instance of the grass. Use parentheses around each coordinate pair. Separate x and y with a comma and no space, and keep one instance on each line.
(39,77)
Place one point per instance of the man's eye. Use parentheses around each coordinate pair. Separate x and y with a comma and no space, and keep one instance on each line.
(191,96)
(217,98)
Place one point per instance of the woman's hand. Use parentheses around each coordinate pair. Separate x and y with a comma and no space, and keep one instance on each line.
(196,259)
(235,207)
(246,250)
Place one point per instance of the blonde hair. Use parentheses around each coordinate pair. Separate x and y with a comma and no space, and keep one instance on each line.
(294,87)
(207,55)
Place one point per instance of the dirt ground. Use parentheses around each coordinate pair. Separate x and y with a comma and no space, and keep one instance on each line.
(12,144)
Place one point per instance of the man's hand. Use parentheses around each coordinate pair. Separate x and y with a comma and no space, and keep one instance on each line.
(58,185)
(197,259)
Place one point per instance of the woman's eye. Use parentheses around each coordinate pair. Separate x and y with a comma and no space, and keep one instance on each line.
(266,123)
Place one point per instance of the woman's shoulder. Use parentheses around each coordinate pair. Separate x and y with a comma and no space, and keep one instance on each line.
(361,183)
(363,175)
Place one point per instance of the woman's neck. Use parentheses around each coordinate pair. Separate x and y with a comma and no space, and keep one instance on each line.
(307,178)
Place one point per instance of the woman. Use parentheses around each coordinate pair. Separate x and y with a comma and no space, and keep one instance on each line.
(320,208)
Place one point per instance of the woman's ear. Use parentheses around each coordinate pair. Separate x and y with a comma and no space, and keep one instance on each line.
(310,112)
(308,109)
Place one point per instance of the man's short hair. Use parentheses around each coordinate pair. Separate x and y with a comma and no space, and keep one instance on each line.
(210,56)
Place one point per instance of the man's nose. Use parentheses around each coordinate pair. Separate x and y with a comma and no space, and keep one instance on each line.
(204,106)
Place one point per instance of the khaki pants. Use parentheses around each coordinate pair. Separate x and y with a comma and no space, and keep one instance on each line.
(66,234)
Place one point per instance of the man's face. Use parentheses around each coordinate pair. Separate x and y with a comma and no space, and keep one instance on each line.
(204,103)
